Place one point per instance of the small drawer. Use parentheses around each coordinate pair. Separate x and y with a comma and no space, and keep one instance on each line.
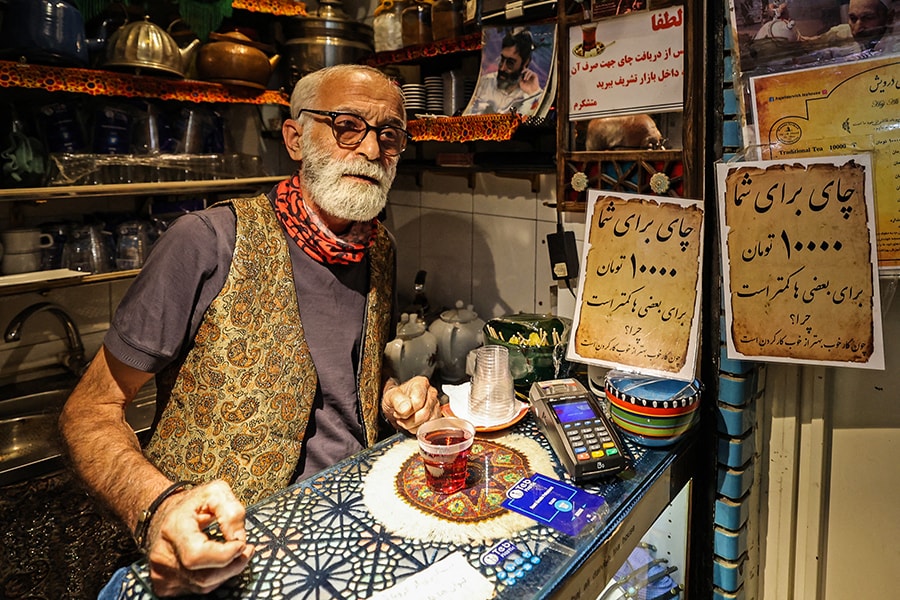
(736,452)
(737,390)
(719,594)
(730,545)
(735,422)
(734,483)
(732,514)
(728,575)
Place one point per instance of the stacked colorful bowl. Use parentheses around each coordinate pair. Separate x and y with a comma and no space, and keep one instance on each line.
(652,411)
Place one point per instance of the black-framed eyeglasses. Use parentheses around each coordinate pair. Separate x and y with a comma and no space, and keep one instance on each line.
(350,130)
(510,62)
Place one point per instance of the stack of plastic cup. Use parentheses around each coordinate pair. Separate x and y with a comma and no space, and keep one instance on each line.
(492,397)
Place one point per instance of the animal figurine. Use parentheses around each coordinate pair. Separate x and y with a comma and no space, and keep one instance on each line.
(629,131)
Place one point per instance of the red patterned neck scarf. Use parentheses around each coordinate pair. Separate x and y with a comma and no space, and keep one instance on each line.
(312,235)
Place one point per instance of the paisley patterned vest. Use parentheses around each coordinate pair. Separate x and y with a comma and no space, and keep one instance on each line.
(239,402)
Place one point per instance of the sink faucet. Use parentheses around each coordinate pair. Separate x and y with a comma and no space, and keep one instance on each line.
(74,358)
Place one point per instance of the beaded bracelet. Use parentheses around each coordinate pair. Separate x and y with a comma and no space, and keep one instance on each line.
(143,522)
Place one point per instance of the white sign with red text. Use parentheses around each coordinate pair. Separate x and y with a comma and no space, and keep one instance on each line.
(627,64)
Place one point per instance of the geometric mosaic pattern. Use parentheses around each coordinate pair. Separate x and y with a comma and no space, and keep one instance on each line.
(316,539)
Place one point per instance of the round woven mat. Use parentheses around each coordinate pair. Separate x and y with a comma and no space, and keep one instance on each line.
(396,494)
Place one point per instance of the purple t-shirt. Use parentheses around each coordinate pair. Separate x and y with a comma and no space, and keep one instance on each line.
(162,311)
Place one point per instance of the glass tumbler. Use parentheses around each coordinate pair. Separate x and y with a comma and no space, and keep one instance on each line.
(86,250)
(132,245)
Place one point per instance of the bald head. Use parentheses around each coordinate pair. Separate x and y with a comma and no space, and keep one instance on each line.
(307,92)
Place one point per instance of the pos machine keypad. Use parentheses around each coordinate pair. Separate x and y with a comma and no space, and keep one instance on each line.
(590,439)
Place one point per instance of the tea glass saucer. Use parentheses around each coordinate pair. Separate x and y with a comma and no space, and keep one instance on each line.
(458,406)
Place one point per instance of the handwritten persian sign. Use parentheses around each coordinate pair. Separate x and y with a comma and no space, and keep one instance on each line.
(633,64)
(841,109)
(450,577)
(798,248)
(638,301)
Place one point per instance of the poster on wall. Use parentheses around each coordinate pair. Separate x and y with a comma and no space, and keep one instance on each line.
(784,35)
(841,109)
(638,300)
(629,64)
(517,72)
(800,277)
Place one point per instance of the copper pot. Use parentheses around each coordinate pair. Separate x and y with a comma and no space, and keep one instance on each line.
(233,58)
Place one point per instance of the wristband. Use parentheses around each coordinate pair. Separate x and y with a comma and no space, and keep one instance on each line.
(143,522)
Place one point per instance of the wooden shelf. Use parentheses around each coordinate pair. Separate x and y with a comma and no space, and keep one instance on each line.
(494,128)
(467,43)
(42,286)
(281,8)
(40,194)
(95,82)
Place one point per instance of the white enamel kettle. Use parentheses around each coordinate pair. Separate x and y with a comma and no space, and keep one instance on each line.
(414,350)
(458,332)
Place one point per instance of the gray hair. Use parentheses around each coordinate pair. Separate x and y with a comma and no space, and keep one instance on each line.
(307,90)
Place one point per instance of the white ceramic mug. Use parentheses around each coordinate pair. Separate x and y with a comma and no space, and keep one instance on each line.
(22,241)
(22,262)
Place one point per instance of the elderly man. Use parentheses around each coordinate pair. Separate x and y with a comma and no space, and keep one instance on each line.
(870,28)
(264,320)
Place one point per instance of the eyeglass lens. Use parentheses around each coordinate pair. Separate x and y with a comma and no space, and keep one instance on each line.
(350,130)
(508,62)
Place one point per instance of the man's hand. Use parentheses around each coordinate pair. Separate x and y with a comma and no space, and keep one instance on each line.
(183,559)
(529,83)
(408,405)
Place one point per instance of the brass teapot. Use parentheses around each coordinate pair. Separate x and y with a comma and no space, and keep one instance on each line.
(145,46)
(233,58)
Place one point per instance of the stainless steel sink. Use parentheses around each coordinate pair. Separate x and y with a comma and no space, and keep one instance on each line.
(29,438)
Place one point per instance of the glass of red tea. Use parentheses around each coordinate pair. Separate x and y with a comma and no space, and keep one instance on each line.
(444,445)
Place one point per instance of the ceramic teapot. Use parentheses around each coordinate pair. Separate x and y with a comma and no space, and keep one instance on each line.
(458,332)
(414,350)
(233,58)
(45,31)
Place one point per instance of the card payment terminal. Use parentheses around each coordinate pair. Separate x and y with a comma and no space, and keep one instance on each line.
(579,432)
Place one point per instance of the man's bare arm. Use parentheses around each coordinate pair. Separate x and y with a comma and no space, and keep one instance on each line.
(101,444)
(106,454)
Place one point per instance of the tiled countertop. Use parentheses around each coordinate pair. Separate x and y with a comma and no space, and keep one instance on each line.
(319,538)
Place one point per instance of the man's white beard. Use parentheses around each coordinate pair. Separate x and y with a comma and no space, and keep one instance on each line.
(338,196)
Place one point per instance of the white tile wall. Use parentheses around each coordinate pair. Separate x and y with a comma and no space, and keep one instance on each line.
(485,246)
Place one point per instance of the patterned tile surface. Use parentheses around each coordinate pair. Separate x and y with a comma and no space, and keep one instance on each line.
(316,540)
